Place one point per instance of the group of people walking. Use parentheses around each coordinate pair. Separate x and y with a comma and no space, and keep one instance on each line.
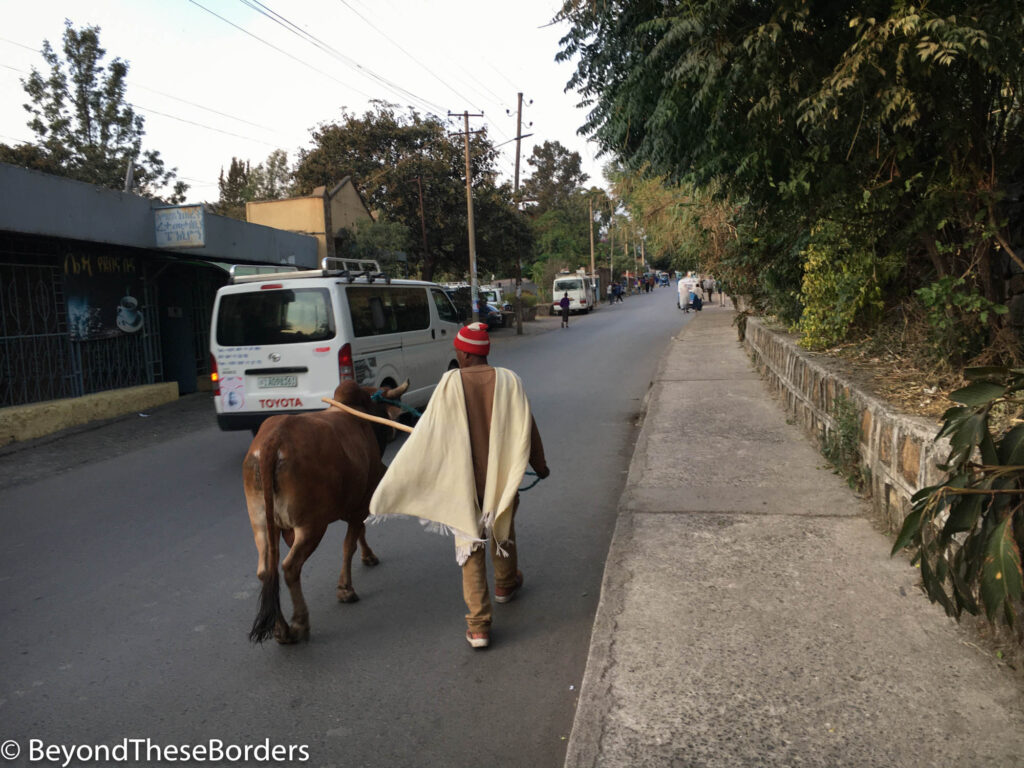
(695,290)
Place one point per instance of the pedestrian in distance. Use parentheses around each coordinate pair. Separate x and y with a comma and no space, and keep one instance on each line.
(564,304)
(461,468)
(687,287)
(709,289)
(611,294)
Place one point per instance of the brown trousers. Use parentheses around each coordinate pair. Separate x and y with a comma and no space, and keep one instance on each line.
(474,578)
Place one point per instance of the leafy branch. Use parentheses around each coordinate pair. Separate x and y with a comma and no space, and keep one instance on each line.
(967,533)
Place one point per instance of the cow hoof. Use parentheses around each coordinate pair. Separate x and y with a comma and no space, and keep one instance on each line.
(371,560)
(291,635)
(283,635)
(347,595)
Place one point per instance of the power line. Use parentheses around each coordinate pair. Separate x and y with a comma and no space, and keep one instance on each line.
(201,125)
(207,109)
(136,105)
(308,37)
(280,50)
(403,50)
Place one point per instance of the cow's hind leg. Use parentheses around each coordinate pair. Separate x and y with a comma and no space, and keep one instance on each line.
(303,544)
(345,592)
(365,552)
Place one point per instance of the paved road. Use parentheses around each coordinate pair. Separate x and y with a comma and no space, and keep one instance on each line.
(128,584)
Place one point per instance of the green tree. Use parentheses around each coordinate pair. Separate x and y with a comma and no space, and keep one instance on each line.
(270,180)
(84,127)
(391,157)
(235,189)
(378,240)
(896,121)
(557,174)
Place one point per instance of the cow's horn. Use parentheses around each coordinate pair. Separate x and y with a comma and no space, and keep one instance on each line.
(397,392)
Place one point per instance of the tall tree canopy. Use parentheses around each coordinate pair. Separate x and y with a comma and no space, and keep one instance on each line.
(84,127)
(270,180)
(557,174)
(391,157)
(867,147)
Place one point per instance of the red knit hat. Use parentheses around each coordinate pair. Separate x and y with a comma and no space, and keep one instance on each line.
(473,339)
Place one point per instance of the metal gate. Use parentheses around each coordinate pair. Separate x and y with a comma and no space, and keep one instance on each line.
(38,358)
(37,361)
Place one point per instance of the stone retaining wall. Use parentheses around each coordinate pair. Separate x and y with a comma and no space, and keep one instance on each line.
(898,452)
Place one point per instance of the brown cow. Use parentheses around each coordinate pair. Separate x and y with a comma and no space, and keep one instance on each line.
(303,472)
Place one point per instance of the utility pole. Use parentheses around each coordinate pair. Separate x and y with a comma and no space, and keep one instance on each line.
(611,252)
(474,286)
(593,271)
(515,197)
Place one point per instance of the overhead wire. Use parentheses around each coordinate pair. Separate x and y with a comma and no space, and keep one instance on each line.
(282,21)
(403,50)
(136,84)
(136,105)
(281,50)
(265,10)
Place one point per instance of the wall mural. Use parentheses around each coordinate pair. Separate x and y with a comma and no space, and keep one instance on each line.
(103,296)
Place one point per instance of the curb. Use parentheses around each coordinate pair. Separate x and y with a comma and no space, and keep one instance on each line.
(27,422)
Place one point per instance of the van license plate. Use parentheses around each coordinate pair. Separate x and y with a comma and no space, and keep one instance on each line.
(273,382)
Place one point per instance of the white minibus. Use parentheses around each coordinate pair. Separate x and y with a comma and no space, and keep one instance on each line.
(280,342)
(581,290)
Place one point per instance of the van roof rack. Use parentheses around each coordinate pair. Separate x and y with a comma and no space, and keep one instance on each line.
(350,269)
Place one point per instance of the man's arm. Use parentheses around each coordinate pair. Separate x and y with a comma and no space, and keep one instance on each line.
(537,460)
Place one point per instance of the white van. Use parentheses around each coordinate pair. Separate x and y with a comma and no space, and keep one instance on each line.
(581,290)
(280,342)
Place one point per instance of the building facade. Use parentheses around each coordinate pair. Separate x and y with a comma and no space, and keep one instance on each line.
(102,289)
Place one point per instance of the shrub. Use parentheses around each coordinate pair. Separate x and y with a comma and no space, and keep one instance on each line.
(958,318)
(842,284)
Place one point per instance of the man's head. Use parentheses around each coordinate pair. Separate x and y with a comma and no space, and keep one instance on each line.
(472,344)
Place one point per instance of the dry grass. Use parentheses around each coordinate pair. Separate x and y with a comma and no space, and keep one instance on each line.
(896,364)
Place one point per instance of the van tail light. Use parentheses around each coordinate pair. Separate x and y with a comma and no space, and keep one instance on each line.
(583,301)
(346,368)
(214,376)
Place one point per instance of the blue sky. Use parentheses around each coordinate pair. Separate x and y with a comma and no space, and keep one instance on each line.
(245,85)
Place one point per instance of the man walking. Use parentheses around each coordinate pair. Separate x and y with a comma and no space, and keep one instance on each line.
(461,469)
(564,304)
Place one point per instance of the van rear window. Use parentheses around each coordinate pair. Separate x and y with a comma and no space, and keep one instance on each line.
(568,285)
(275,317)
(387,309)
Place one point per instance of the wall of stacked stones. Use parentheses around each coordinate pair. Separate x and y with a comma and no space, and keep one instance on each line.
(898,453)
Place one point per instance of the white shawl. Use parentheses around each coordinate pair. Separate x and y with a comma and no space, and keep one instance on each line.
(431,477)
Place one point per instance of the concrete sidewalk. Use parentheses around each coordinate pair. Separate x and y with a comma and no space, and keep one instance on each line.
(751,615)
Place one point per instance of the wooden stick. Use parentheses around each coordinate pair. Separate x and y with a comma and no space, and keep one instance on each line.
(368,417)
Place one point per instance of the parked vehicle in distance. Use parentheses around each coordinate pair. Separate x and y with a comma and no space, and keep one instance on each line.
(280,342)
(580,288)
(491,316)
(495,297)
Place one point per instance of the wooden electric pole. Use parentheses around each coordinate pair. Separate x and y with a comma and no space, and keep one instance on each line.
(474,286)
(593,270)
(515,197)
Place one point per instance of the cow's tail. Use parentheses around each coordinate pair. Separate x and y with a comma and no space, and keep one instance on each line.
(269,612)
